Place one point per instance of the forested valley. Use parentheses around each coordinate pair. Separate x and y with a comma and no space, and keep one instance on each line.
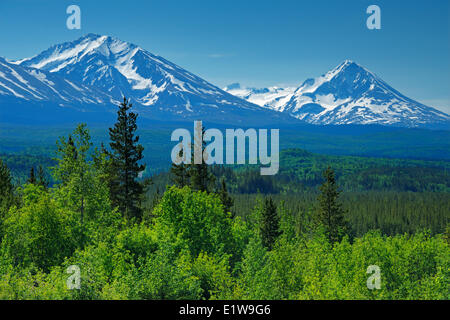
(219,232)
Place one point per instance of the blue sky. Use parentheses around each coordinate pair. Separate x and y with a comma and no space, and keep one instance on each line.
(257,42)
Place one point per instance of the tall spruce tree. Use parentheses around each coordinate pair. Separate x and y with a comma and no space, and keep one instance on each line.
(32,177)
(6,189)
(270,223)
(180,173)
(126,153)
(42,180)
(225,198)
(67,162)
(330,213)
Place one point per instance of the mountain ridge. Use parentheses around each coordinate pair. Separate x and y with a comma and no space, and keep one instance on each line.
(92,74)
(350,94)
(158,88)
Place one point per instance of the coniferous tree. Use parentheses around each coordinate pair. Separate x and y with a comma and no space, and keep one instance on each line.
(179,173)
(67,163)
(6,189)
(225,198)
(126,190)
(270,223)
(330,213)
(32,177)
(200,176)
(42,181)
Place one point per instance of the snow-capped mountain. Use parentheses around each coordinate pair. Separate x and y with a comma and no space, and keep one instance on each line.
(273,97)
(352,94)
(349,94)
(157,88)
(32,84)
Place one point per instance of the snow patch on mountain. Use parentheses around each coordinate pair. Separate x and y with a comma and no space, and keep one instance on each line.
(273,97)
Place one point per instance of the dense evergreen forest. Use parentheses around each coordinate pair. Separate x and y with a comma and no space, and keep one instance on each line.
(219,232)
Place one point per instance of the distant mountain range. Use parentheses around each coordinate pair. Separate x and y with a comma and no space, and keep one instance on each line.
(89,76)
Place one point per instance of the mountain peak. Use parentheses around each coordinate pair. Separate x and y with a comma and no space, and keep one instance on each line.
(349,94)
(63,56)
(100,40)
(346,66)
(348,62)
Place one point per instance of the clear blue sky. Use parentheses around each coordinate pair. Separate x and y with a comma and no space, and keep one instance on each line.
(257,42)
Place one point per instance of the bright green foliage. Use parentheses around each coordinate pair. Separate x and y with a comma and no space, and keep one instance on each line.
(81,187)
(214,276)
(413,267)
(197,219)
(253,279)
(167,276)
(36,234)
(22,284)
(320,271)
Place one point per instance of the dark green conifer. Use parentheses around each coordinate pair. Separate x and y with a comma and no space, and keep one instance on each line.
(330,213)
(201,179)
(179,173)
(32,177)
(42,180)
(126,154)
(270,223)
(6,189)
(226,199)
